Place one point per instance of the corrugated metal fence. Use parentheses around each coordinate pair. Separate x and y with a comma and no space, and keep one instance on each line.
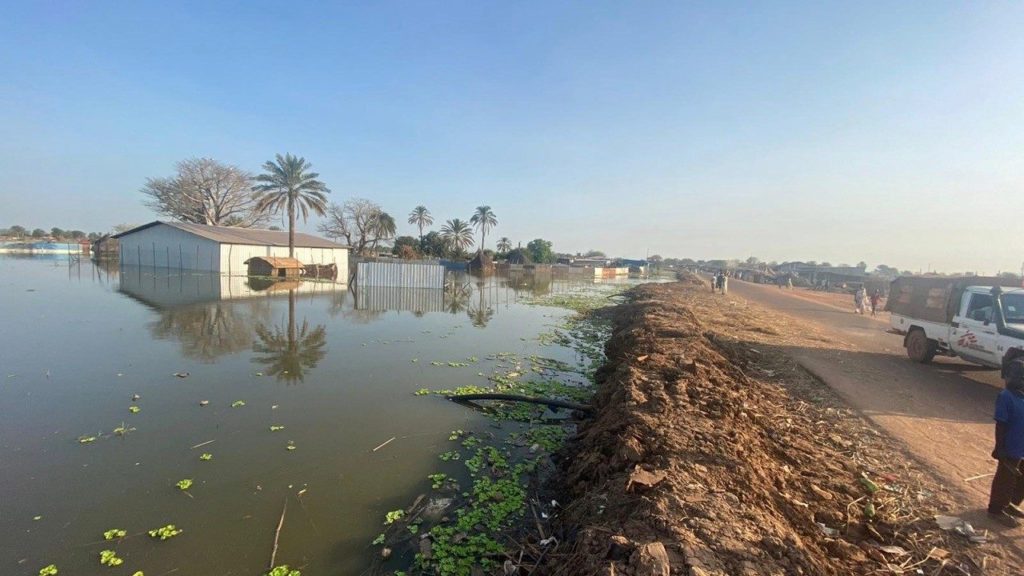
(400,275)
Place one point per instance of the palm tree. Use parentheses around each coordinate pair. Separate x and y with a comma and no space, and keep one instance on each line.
(382,227)
(484,219)
(420,217)
(287,183)
(457,235)
(504,244)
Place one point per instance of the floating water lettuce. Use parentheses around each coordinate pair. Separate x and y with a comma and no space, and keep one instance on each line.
(50,570)
(206,456)
(109,558)
(238,403)
(134,409)
(393,516)
(85,440)
(276,427)
(283,571)
(114,533)
(184,484)
(163,533)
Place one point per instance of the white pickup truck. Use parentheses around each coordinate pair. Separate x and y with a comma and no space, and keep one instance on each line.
(973,318)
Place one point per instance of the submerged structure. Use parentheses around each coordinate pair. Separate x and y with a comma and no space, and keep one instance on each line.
(222,249)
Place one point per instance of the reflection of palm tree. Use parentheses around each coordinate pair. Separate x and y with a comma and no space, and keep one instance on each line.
(456,299)
(288,354)
(480,314)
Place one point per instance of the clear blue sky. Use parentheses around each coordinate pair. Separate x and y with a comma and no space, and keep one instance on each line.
(886,132)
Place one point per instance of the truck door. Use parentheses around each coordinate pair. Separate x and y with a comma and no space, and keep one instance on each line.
(974,332)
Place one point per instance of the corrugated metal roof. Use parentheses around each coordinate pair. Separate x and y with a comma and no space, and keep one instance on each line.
(253,236)
(276,262)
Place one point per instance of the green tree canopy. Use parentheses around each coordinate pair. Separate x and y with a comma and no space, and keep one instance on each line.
(540,251)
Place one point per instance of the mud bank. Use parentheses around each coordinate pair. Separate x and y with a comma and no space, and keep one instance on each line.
(710,453)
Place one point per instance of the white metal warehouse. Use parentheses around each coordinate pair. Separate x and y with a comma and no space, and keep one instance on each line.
(181,246)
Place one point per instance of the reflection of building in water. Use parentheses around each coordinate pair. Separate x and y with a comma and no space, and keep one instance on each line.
(213,315)
(382,298)
(164,289)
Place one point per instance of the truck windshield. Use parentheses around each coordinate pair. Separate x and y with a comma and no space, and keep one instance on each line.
(1013,308)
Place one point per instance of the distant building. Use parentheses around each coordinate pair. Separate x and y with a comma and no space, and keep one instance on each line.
(182,246)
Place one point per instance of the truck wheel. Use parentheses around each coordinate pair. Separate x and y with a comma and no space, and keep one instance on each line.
(919,347)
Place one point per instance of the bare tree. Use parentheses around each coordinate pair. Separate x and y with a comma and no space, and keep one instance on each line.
(205,191)
(362,223)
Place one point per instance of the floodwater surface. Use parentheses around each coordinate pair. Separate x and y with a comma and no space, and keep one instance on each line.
(336,370)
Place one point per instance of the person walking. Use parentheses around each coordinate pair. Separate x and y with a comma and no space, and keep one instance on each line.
(876,297)
(1008,483)
(858,300)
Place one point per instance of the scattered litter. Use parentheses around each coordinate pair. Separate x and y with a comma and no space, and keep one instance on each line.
(961,527)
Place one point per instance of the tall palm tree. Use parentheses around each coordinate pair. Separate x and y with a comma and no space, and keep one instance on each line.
(457,235)
(420,217)
(484,219)
(287,183)
(504,244)
(382,226)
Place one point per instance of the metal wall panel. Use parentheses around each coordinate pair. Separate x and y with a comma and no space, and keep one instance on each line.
(400,275)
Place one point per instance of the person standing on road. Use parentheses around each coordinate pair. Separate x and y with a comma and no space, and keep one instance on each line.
(1008,483)
(858,300)
(876,297)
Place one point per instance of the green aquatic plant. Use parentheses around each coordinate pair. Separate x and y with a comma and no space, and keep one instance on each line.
(165,532)
(114,533)
(109,558)
(290,446)
(134,409)
(184,484)
(451,455)
(455,434)
(393,516)
(378,540)
(238,403)
(206,456)
(283,571)
(86,439)
(50,570)
(422,392)
(437,480)
(276,427)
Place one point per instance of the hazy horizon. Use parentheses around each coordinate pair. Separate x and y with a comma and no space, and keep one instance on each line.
(882,132)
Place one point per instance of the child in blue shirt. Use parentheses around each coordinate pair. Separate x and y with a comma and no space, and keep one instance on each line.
(1008,484)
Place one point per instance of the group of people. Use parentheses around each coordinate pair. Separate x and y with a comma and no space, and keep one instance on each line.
(862,303)
(720,283)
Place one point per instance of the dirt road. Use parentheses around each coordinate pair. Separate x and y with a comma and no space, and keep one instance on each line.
(942,411)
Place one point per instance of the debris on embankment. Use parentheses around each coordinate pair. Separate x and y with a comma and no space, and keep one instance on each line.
(709,454)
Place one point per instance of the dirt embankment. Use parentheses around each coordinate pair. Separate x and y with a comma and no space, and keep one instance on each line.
(710,453)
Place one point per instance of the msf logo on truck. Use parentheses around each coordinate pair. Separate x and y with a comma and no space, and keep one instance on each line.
(969,340)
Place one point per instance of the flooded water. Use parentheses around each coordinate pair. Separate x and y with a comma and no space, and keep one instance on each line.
(337,370)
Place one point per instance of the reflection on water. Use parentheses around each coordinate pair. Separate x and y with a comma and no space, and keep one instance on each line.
(90,337)
(287,354)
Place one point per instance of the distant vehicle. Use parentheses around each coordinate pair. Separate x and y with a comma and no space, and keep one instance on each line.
(978,319)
